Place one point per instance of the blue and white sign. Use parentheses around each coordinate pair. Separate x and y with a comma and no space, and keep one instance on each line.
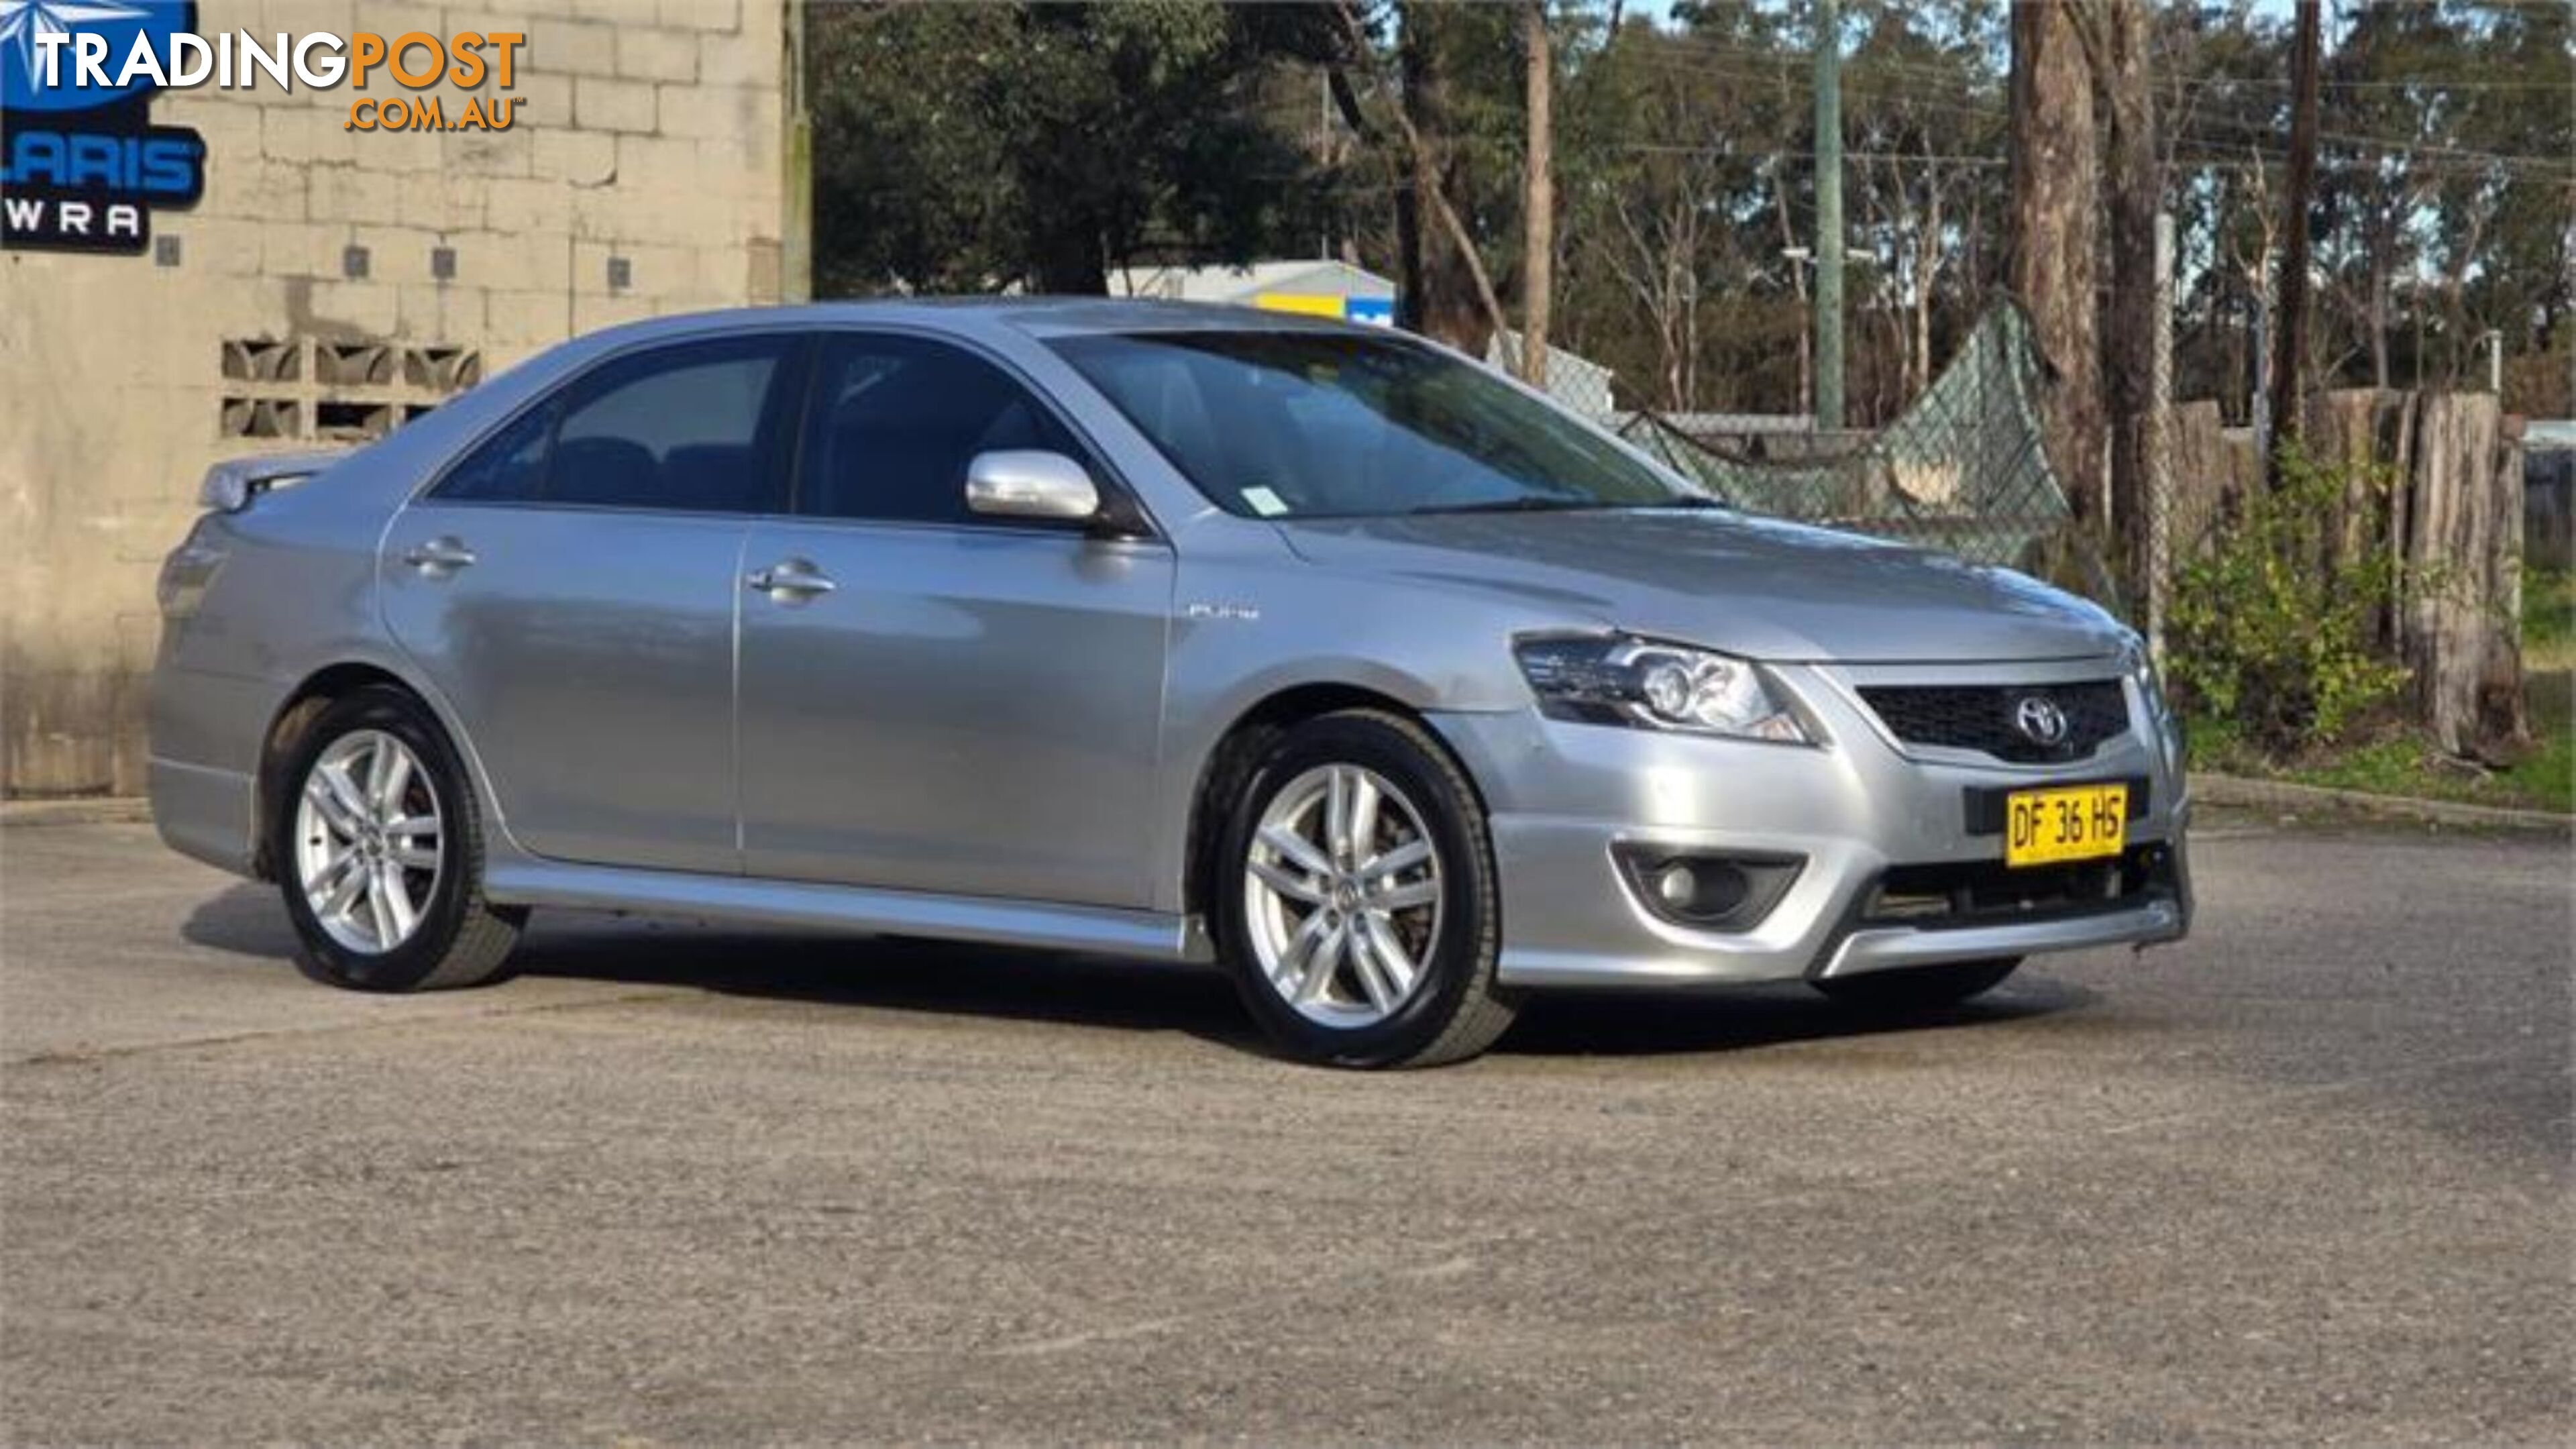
(82,167)
(1375,311)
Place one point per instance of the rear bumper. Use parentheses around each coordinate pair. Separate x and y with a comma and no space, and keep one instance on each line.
(1566,800)
(203,772)
(204,813)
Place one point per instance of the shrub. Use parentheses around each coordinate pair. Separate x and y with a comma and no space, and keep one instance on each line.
(2273,636)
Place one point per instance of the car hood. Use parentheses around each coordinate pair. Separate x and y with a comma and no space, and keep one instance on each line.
(1754,587)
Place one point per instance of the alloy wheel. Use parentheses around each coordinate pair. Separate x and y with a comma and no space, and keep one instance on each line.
(1342,892)
(367,835)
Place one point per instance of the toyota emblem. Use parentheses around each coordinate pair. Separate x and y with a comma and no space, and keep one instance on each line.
(2040,720)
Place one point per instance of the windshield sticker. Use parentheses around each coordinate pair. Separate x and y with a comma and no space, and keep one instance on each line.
(1265,502)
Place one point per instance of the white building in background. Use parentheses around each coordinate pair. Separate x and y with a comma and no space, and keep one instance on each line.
(1354,294)
(1314,288)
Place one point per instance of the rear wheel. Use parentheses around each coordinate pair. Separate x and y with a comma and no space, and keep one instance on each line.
(380,852)
(1359,907)
(1918,988)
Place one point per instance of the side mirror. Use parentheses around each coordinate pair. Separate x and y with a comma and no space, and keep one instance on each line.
(1027,483)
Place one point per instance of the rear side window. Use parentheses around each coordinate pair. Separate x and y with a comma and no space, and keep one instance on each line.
(692,428)
(895,420)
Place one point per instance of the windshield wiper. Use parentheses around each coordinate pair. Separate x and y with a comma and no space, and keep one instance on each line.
(1527,503)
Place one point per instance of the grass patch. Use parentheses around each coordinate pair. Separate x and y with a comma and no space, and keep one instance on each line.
(2397,762)
(2393,760)
(2548,621)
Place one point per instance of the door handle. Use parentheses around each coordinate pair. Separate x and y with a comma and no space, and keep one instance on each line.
(439,556)
(790,581)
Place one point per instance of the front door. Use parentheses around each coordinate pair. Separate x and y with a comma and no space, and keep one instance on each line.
(932,701)
(570,589)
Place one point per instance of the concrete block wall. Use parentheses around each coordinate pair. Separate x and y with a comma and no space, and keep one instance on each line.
(648,132)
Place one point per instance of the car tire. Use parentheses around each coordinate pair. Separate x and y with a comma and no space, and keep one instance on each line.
(442,932)
(1918,988)
(1365,1009)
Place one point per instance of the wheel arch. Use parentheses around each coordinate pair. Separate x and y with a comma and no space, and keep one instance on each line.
(295,714)
(1240,745)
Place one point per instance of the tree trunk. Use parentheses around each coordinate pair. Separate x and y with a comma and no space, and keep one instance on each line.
(2055,230)
(2463,544)
(2290,324)
(1446,293)
(1798,284)
(2379,269)
(1538,191)
(1452,277)
(1072,257)
(2115,36)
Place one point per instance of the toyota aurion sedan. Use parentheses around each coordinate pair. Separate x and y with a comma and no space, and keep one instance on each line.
(1316,652)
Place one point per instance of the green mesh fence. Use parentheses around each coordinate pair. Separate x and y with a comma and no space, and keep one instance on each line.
(1962,470)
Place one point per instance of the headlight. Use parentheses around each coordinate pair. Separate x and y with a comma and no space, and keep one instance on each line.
(2143,670)
(1622,680)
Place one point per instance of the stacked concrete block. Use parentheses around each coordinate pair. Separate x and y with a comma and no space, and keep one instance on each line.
(648,134)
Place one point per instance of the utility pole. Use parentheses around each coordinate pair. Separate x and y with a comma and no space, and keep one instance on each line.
(2290,324)
(2160,480)
(1829,215)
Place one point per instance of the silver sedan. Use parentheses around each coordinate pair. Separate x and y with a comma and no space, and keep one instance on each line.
(1313,651)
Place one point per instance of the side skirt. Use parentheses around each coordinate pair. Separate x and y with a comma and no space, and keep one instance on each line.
(526,882)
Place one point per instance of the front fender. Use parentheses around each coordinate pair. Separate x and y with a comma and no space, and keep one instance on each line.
(1258,623)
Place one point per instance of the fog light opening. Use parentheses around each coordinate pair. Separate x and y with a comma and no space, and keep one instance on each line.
(1708,891)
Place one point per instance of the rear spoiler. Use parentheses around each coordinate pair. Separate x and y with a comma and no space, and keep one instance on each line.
(231,484)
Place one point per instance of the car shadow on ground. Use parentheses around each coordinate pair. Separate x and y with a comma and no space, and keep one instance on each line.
(900,974)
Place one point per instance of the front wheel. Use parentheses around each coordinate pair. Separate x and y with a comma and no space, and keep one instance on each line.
(379,851)
(1356,897)
(1918,988)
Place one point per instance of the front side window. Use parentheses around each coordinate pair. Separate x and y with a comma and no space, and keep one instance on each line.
(678,428)
(894,421)
(1290,424)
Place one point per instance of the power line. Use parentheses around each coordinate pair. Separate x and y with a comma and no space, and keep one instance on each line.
(2415,149)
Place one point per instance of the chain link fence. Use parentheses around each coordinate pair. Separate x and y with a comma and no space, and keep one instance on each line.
(1963,469)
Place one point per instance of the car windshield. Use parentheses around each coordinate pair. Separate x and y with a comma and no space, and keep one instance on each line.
(1317,424)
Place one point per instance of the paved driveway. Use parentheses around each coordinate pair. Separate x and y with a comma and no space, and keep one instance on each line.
(2306,1177)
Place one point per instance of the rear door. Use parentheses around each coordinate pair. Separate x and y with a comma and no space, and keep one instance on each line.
(937,701)
(570,587)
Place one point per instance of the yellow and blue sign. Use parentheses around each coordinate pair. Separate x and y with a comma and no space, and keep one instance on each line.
(1374,311)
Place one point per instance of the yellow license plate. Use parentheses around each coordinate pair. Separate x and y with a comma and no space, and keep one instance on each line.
(2042,827)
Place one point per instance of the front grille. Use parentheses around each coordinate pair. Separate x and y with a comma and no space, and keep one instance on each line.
(1983,717)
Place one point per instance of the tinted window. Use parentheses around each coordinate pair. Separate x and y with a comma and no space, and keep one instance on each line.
(895,420)
(1279,424)
(677,428)
(510,467)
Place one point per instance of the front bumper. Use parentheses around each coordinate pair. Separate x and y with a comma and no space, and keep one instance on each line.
(1564,799)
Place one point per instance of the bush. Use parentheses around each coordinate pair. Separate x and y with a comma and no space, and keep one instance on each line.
(2273,639)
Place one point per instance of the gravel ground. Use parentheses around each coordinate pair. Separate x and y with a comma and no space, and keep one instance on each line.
(2305,1177)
